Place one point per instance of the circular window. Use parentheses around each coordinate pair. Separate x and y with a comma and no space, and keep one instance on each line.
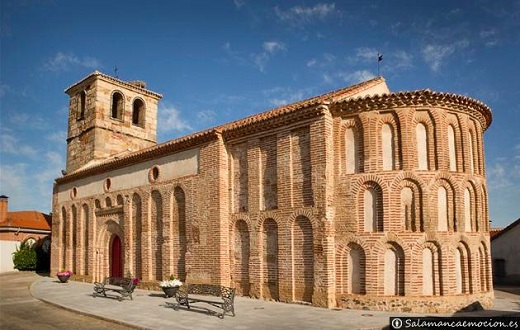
(73,192)
(107,184)
(153,174)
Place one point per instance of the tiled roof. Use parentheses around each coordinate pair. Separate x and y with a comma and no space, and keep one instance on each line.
(505,230)
(355,97)
(27,220)
(113,79)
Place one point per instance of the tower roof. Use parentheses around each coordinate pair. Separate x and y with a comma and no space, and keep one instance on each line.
(136,85)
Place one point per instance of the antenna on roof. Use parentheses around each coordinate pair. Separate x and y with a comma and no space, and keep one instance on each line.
(379,59)
(115,72)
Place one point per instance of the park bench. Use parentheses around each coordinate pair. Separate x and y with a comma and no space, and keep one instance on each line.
(215,295)
(122,285)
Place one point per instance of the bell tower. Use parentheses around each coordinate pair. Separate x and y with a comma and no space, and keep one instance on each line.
(108,118)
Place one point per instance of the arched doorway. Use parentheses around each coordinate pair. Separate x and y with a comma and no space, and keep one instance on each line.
(116,262)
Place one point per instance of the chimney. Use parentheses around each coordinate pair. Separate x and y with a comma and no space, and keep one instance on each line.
(3,208)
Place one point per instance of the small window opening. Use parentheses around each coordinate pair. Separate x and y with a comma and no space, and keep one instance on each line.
(117,106)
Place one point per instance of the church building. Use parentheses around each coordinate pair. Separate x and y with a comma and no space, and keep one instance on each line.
(357,198)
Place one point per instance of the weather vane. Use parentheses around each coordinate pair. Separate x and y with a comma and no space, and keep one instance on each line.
(115,72)
(379,59)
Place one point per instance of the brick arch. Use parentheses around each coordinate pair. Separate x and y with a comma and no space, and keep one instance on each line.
(240,256)
(85,228)
(444,180)
(474,200)
(307,213)
(463,267)
(479,146)
(138,237)
(156,215)
(484,266)
(356,125)
(476,147)
(351,260)
(179,226)
(454,121)
(432,274)
(238,217)
(484,208)
(303,239)
(393,121)
(414,221)
(74,233)
(64,237)
(265,216)
(268,230)
(389,237)
(426,118)
(394,260)
(371,182)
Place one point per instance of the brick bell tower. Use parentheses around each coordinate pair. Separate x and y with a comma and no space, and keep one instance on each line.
(108,117)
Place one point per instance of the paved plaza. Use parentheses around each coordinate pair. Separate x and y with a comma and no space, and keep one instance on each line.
(150,310)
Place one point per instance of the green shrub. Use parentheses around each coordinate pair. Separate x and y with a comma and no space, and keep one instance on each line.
(24,258)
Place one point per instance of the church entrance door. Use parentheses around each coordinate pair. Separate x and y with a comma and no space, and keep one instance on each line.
(116,264)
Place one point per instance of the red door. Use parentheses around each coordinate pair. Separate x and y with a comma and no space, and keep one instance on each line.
(116,267)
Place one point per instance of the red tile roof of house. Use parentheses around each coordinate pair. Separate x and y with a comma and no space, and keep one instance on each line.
(27,220)
(505,230)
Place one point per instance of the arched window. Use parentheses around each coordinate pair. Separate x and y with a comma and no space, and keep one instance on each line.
(82,99)
(427,272)
(407,208)
(422,146)
(117,106)
(394,271)
(467,211)
(442,209)
(356,269)
(138,113)
(373,209)
(452,151)
(387,138)
(471,156)
(241,257)
(351,151)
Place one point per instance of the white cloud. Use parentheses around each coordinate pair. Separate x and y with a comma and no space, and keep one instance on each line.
(63,62)
(12,145)
(279,96)
(435,54)
(299,15)
(270,49)
(367,55)
(57,137)
(239,3)
(273,46)
(4,88)
(206,117)
(170,120)
(357,76)
(403,60)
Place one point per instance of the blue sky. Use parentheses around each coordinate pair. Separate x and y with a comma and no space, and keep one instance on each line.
(216,61)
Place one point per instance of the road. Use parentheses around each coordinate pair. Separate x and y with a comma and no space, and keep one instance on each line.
(19,310)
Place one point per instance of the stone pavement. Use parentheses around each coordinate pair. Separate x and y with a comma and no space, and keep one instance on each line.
(150,310)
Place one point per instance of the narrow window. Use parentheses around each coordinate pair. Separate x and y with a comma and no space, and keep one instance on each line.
(471,153)
(351,151)
(117,106)
(138,111)
(467,210)
(422,146)
(442,209)
(373,216)
(387,138)
(82,105)
(451,149)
